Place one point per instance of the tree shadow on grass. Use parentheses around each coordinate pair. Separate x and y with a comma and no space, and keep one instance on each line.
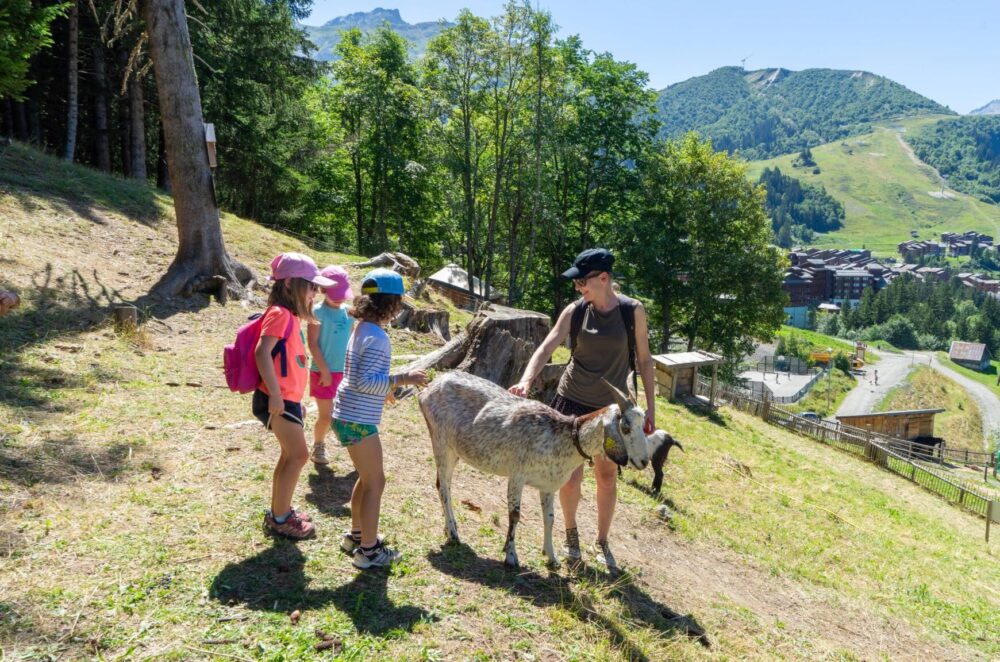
(461,561)
(275,580)
(72,189)
(329,492)
(34,385)
(710,414)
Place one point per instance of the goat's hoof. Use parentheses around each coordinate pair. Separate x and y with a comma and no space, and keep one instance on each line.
(553,564)
(511,562)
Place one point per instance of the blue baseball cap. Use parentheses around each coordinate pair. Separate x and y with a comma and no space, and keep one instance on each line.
(382,281)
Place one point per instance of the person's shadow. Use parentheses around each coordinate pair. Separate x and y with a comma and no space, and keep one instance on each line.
(275,580)
(460,561)
(329,493)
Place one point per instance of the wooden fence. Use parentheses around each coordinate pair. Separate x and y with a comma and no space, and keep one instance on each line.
(891,454)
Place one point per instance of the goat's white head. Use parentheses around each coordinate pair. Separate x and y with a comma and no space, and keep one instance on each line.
(624,440)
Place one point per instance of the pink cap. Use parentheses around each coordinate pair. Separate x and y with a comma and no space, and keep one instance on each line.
(341,288)
(297,265)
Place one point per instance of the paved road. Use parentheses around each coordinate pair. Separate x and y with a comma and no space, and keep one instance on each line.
(892,370)
(989,403)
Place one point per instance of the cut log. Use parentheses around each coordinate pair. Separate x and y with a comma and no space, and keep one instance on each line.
(401,263)
(126,318)
(8,301)
(423,320)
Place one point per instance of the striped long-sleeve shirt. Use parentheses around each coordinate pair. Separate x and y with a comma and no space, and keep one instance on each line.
(361,394)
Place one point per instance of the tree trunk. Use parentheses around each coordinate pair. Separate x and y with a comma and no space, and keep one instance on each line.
(124,124)
(201,251)
(20,121)
(137,130)
(73,64)
(102,145)
(8,117)
(162,171)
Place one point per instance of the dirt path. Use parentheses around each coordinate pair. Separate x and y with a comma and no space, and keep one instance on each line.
(892,369)
(989,403)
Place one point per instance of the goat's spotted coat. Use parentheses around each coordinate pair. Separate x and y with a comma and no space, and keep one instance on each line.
(472,419)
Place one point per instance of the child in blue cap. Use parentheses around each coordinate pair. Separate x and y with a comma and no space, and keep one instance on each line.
(357,411)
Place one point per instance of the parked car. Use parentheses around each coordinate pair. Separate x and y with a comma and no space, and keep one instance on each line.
(810,415)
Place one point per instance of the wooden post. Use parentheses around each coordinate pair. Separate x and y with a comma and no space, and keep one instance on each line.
(126,318)
(715,378)
(989,517)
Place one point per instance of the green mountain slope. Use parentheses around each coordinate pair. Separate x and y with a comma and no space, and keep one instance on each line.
(966,150)
(327,36)
(886,191)
(769,112)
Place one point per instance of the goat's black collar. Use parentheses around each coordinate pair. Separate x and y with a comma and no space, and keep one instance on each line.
(576,441)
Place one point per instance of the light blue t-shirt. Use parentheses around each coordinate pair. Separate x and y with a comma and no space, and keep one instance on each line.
(334,333)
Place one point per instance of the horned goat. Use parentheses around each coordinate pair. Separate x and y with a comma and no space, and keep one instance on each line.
(472,419)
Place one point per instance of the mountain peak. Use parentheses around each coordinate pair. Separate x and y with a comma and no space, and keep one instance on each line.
(992,108)
(373,18)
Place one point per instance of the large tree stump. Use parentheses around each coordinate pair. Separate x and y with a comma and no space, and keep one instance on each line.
(401,263)
(496,345)
(423,320)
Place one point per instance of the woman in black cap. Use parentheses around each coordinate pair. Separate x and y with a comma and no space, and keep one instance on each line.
(600,321)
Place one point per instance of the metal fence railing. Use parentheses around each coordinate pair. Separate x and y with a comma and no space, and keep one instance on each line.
(895,455)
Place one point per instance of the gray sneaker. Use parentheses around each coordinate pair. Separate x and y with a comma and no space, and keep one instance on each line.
(571,550)
(380,557)
(349,544)
(604,555)
(319,454)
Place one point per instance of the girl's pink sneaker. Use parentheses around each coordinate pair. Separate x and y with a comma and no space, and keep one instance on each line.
(294,527)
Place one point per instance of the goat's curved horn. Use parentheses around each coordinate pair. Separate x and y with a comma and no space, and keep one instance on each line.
(620,398)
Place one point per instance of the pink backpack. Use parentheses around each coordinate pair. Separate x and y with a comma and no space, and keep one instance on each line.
(239,362)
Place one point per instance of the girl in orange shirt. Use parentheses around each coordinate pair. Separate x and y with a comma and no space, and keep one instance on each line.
(277,402)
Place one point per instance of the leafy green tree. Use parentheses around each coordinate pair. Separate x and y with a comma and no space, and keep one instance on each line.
(27,32)
(701,219)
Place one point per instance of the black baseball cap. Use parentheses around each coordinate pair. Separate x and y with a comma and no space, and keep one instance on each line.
(592,259)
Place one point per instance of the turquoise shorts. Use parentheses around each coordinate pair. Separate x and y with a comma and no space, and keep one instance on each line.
(349,433)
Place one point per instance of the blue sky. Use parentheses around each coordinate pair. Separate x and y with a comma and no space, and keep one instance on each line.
(948,51)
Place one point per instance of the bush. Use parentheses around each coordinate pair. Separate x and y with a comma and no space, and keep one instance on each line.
(842,362)
(898,330)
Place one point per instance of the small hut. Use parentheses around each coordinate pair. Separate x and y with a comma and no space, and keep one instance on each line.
(677,374)
(972,355)
(452,281)
(907,424)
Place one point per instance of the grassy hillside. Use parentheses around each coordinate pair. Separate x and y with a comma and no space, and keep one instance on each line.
(768,112)
(132,485)
(960,425)
(886,192)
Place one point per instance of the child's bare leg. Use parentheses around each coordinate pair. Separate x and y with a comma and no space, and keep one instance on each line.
(325,410)
(367,458)
(356,498)
(294,455)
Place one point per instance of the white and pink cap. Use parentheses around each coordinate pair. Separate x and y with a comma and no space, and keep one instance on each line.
(297,265)
(341,288)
